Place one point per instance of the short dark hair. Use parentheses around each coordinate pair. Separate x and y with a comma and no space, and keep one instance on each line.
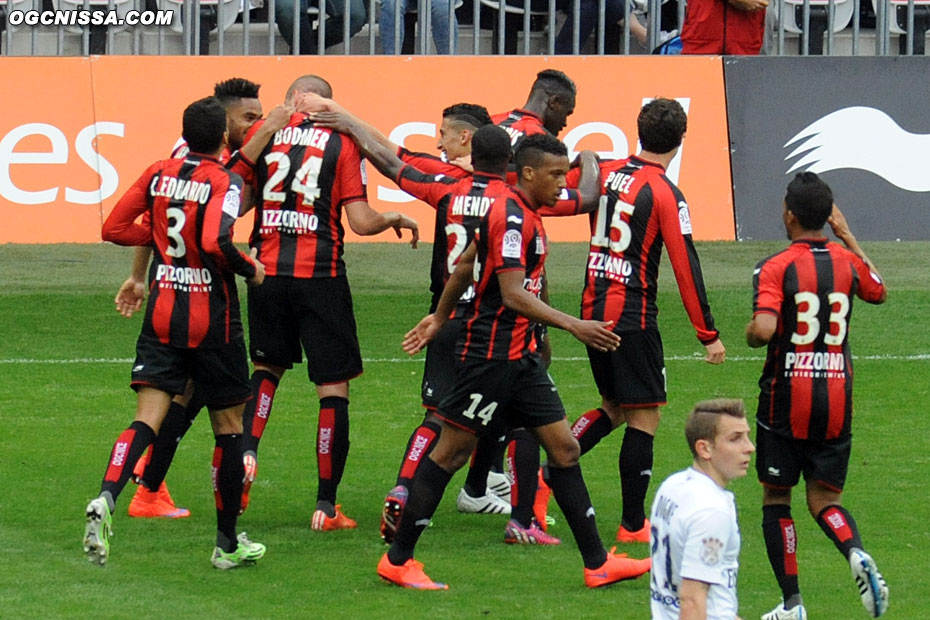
(703,419)
(475,115)
(308,84)
(490,149)
(554,82)
(231,90)
(810,199)
(204,124)
(531,149)
(661,124)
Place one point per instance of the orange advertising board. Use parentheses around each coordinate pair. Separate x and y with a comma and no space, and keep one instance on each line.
(123,113)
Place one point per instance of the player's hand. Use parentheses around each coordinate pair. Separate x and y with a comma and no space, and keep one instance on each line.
(463,162)
(408,223)
(259,276)
(596,334)
(838,224)
(309,103)
(716,352)
(337,121)
(278,117)
(421,335)
(129,297)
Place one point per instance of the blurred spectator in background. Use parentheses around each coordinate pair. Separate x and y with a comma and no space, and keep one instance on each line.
(308,37)
(439,25)
(724,27)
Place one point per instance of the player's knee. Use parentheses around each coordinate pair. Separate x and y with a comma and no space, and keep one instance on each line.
(565,454)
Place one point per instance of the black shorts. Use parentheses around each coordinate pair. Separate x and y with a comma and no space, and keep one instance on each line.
(634,374)
(492,396)
(439,370)
(316,313)
(781,460)
(221,374)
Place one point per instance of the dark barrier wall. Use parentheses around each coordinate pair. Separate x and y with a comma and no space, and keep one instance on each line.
(863,124)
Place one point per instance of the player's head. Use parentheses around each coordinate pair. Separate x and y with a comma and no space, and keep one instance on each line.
(240,98)
(718,435)
(542,163)
(557,91)
(808,201)
(490,150)
(662,124)
(459,124)
(204,126)
(308,84)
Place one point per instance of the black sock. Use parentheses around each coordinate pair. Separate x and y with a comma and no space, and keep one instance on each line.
(194,406)
(635,472)
(476,482)
(165,445)
(523,455)
(426,490)
(781,543)
(840,527)
(419,446)
(497,461)
(571,495)
(129,446)
(227,488)
(590,428)
(258,408)
(332,446)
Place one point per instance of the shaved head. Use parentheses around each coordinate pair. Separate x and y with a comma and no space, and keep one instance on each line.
(308,84)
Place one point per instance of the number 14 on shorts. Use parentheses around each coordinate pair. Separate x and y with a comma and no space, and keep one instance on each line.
(486,412)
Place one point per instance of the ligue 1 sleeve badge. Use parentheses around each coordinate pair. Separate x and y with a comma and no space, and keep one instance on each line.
(711,551)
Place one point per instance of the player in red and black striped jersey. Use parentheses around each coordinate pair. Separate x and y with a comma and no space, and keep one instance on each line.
(239,97)
(451,237)
(551,101)
(802,306)
(641,211)
(192,328)
(303,181)
(501,381)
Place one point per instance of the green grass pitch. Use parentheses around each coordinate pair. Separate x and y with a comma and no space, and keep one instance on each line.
(64,397)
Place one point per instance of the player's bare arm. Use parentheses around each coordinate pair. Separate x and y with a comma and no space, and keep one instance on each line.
(693,597)
(277,119)
(840,228)
(455,287)
(365,221)
(383,157)
(589,185)
(131,294)
(595,334)
(315,105)
(760,329)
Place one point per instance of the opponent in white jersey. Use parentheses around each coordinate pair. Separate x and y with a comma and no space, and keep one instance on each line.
(695,535)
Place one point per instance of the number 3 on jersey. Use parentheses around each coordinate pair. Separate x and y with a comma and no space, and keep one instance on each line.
(305,183)
(601,236)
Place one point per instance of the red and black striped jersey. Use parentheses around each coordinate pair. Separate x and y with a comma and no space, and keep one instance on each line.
(806,384)
(518,124)
(438,191)
(640,211)
(304,177)
(460,204)
(188,206)
(510,237)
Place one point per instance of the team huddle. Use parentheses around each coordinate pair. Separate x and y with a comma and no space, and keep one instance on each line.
(486,390)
